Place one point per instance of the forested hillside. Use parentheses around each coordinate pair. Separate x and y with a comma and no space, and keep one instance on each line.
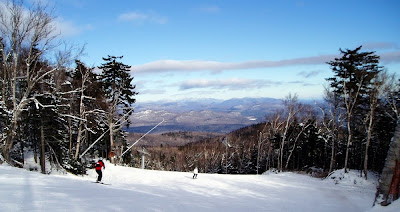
(170,138)
(351,129)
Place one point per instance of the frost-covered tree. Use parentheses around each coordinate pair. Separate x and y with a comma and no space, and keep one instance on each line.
(331,122)
(293,107)
(27,34)
(305,121)
(83,99)
(28,79)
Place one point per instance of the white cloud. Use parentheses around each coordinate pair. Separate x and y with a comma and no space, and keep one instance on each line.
(198,65)
(67,28)
(162,66)
(390,57)
(380,45)
(308,74)
(152,91)
(232,84)
(140,17)
(59,26)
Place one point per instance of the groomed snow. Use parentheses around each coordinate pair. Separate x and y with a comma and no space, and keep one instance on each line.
(134,189)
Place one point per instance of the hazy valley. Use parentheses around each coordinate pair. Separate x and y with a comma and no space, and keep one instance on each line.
(206,115)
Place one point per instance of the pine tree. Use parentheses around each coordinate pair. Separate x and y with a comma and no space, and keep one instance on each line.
(119,92)
(353,76)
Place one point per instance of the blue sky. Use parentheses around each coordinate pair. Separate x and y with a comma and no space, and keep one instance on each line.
(228,49)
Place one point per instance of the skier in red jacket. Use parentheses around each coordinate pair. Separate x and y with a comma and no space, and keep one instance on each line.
(99,165)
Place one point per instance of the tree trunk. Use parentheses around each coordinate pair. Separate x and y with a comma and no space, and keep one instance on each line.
(390,177)
(35,158)
(346,161)
(81,116)
(42,151)
(394,186)
(332,163)
(280,160)
(9,142)
(371,121)
(112,145)
(70,133)
(78,141)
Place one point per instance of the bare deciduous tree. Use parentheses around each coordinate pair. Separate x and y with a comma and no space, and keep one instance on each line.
(305,122)
(332,119)
(293,107)
(375,94)
(391,88)
(22,29)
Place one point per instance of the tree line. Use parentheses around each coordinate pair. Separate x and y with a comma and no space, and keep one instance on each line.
(53,106)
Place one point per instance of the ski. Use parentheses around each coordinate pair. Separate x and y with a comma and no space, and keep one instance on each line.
(102,183)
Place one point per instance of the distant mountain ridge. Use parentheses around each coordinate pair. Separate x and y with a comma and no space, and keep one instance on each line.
(203,115)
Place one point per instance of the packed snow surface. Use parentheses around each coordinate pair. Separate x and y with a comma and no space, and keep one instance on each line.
(131,189)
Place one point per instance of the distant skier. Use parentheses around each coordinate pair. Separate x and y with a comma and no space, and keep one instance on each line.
(98,166)
(195,172)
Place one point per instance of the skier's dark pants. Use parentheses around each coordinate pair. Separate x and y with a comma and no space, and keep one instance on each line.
(100,175)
